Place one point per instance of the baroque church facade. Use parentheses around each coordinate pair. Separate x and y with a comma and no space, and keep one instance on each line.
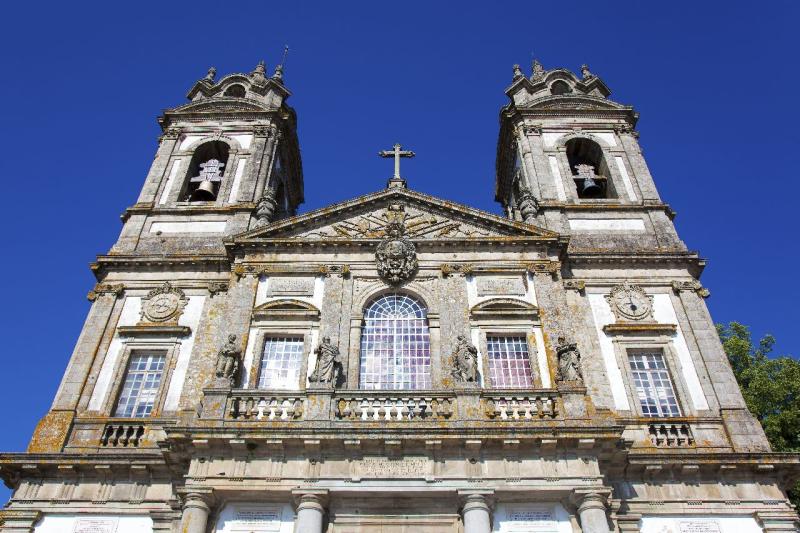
(398,362)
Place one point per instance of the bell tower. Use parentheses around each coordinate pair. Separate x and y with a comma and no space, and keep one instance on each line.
(227,161)
(568,159)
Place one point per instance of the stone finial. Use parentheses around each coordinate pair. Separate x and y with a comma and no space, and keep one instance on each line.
(266,206)
(538,70)
(259,73)
(212,73)
(586,72)
(517,72)
(278,74)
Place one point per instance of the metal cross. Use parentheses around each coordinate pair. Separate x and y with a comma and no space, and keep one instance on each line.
(397,152)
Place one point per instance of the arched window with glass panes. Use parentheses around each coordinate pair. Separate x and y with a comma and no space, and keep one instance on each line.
(395,344)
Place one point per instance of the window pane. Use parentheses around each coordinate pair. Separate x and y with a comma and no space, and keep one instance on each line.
(140,388)
(281,363)
(653,384)
(395,345)
(509,362)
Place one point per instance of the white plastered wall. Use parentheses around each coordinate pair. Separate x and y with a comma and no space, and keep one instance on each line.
(72,523)
(237,180)
(130,317)
(663,313)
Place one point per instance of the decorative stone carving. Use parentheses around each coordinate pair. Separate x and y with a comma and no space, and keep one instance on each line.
(586,72)
(171,133)
(259,73)
(465,361)
(105,288)
(527,203)
(228,358)
(163,304)
(328,370)
(691,286)
(630,302)
(517,72)
(216,287)
(262,131)
(266,207)
(574,285)
(396,256)
(212,73)
(569,363)
(538,70)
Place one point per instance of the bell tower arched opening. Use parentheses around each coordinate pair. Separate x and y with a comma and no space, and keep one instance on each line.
(589,169)
(206,171)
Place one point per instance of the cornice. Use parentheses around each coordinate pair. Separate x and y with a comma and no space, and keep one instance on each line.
(106,263)
(152,209)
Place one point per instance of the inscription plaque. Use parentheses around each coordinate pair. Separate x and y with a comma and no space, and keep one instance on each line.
(699,526)
(290,286)
(531,519)
(379,467)
(96,525)
(256,519)
(506,286)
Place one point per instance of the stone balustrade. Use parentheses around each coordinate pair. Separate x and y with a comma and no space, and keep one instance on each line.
(122,435)
(521,406)
(669,435)
(393,407)
(255,405)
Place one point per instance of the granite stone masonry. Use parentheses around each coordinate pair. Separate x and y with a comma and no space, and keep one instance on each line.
(553,369)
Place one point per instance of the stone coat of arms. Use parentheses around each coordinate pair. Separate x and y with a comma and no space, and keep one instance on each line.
(396,256)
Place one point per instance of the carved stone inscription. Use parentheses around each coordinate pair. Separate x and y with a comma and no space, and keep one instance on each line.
(256,519)
(699,526)
(290,286)
(500,286)
(380,467)
(95,525)
(531,519)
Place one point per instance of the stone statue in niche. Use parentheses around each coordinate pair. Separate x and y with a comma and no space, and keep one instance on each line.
(396,256)
(569,363)
(265,208)
(228,358)
(465,361)
(328,370)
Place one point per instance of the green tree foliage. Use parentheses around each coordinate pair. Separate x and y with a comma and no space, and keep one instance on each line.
(770,385)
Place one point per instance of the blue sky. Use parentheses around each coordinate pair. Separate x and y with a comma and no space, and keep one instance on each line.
(83,84)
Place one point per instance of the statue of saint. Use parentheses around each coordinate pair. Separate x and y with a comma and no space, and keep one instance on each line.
(465,361)
(329,364)
(228,359)
(569,362)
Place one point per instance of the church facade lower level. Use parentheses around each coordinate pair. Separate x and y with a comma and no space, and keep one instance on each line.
(398,362)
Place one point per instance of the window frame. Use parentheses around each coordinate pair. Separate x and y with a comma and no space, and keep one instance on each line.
(533,363)
(432,338)
(264,332)
(663,344)
(302,372)
(170,349)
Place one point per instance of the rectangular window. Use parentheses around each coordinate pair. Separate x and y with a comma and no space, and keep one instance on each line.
(509,362)
(142,381)
(281,363)
(653,384)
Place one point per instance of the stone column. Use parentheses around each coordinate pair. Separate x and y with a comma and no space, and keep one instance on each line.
(476,512)
(310,510)
(776,521)
(592,512)
(194,518)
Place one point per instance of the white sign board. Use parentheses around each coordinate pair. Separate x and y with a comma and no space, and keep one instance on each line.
(699,526)
(530,519)
(96,525)
(256,519)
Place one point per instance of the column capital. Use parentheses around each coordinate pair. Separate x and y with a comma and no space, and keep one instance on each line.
(777,521)
(196,497)
(590,498)
(308,498)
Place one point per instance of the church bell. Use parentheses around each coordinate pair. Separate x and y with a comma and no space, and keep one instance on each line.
(204,192)
(590,187)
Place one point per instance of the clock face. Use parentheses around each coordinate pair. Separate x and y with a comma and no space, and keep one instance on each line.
(162,306)
(631,302)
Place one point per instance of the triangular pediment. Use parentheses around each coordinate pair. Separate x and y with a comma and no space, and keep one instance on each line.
(425,218)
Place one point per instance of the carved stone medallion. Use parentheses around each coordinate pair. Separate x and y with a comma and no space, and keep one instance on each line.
(630,302)
(396,256)
(163,304)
